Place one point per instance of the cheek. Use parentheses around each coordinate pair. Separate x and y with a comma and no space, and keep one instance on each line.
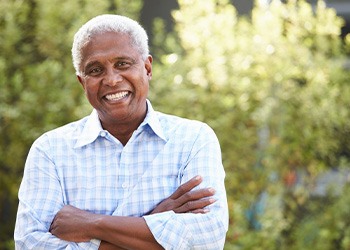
(143,87)
(91,92)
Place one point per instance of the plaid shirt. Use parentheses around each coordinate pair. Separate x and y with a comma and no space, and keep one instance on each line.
(83,165)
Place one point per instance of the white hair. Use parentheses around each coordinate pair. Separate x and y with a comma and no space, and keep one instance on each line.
(108,23)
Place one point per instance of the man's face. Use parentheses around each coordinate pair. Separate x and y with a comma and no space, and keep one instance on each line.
(115,78)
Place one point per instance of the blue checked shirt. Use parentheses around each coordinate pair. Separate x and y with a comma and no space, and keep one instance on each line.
(83,165)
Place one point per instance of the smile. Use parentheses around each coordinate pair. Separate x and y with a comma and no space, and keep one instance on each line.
(117,96)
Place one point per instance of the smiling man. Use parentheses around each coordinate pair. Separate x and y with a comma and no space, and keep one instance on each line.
(125,177)
(115,78)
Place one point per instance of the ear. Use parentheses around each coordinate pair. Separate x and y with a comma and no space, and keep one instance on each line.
(148,66)
(81,81)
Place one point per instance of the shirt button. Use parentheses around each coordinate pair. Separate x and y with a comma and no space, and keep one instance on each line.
(103,133)
(124,185)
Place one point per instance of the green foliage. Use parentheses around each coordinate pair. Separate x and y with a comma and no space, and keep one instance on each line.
(273,86)
(275,89)
(39,90)
(326,228)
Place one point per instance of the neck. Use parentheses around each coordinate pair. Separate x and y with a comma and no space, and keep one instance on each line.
(123,130)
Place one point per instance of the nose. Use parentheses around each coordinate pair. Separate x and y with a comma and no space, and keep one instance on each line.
(112,77)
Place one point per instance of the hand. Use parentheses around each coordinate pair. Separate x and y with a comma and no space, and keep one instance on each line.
(71,224)
(184,200)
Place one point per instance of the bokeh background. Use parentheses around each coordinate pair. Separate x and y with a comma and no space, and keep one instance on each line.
(272,78)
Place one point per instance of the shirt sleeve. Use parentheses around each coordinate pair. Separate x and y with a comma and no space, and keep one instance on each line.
(197,231)
(40,198)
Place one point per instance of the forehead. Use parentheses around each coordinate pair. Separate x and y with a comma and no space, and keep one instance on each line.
(108,44)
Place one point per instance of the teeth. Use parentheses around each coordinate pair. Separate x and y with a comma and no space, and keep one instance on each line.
(116,96)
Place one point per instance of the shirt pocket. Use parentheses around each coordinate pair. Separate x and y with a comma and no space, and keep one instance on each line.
(151,189)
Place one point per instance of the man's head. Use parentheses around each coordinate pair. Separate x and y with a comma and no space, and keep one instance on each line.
(108,23)
(110,55)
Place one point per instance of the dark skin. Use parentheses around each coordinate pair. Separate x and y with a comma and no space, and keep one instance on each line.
(112,66)
(117,232)
(115,78)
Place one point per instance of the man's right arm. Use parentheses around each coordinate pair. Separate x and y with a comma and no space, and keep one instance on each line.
(73,224)
(41,198)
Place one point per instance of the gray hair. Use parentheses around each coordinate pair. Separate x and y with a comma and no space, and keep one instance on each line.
(108,23)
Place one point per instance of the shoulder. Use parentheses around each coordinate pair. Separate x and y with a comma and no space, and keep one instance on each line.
(67,133)
(186,128)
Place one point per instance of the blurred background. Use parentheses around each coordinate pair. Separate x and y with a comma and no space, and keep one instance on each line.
(272,78)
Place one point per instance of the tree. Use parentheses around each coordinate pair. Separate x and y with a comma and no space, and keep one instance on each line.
(274,88)
(38,88)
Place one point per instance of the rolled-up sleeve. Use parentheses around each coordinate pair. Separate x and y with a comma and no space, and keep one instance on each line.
(40,198)
(197,231)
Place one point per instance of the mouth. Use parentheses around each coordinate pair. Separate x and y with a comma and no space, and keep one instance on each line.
(117,96)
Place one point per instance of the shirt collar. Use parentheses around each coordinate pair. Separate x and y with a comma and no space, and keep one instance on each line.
(93,128)
(153,122)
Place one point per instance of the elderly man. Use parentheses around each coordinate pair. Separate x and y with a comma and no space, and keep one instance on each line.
(125,177)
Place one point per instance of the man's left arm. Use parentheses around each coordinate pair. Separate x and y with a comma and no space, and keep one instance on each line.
(123,232)
(187,230)
(188,218)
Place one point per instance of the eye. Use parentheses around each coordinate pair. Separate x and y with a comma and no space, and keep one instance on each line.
(94,71)
(122,65)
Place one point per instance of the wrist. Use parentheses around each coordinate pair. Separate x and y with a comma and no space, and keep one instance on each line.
(89,225)
(94,226)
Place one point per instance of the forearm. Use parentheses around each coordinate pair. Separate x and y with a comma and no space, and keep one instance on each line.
(109,246)
(76,225)
(189,231)
(31,233)
(124,232)
(73,224)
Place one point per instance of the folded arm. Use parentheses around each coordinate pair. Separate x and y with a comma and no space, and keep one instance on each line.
(202,231)
(119,232)
(169,224)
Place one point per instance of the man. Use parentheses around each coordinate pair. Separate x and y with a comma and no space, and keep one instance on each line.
(125,177)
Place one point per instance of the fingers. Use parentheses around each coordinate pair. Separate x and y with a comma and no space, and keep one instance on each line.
(197,206)
(187,200)
(190,197)
(200,211)
(186,187)
(192,201)
(197,194)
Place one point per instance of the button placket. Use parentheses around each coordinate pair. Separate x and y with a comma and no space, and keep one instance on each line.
(125,181)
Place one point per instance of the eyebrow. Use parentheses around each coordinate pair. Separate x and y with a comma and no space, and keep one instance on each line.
(115,59)
(125,58)
(90,64)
